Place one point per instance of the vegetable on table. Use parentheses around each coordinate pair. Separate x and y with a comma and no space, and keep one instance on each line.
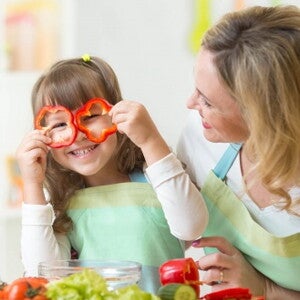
(25,288)
(176,291)
(232,294)
(2,289)
(88,284)
(180,270)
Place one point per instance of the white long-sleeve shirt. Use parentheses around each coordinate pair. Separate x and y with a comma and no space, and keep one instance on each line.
(181,201)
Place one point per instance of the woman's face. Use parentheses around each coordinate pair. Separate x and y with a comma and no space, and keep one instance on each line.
(220,115)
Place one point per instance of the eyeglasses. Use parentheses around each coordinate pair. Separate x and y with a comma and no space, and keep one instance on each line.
(62,126)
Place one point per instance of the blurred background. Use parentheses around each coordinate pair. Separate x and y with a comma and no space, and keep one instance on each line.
(151,45)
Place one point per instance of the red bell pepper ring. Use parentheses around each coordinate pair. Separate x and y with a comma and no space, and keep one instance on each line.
(180,270)
(231,294)
(62,131)
(94,107)
(62,125)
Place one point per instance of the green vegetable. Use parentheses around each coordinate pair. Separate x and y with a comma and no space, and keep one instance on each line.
(176,291)
(133,292)
(89,285)
(83,285)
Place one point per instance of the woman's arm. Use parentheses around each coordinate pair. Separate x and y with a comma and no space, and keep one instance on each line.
(276,292)
(228,268)
(38,240)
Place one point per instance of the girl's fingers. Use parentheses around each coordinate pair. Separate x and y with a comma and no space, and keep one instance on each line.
(37,144)
(35,140)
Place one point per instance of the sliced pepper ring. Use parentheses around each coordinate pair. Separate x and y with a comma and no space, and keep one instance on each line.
(61,129)
(95,108)
(230,294)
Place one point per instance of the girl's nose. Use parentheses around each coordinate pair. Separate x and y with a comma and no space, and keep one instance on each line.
(80,136)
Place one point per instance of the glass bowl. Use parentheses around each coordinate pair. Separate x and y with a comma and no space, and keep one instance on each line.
(117,273)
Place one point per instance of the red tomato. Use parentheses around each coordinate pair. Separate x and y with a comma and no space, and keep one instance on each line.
(3,285)
(26,288)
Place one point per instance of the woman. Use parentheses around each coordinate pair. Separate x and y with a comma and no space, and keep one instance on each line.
(247,99)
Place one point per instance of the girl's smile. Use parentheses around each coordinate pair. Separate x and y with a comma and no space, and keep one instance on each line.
(83,152)
(85,157)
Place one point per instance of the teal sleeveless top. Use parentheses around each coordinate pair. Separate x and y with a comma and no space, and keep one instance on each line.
(123,221)
(278,258)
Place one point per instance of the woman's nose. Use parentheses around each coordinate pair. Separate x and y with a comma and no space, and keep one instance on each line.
(191,103)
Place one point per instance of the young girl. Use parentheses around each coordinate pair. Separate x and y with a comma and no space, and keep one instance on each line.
(97,198)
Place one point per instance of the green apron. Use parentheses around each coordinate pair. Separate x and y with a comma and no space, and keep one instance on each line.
(278,258)
(123,221)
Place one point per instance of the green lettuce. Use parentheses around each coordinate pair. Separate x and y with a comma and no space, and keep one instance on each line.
(89,285)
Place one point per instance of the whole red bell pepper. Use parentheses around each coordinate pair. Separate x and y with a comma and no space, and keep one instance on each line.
(86,111)
(61,139)
(180,270)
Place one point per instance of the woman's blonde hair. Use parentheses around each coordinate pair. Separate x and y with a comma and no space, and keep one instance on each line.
(257,55)
(72,83)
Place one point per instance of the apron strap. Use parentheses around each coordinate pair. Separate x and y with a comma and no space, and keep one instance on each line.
(137,176)
(226,161)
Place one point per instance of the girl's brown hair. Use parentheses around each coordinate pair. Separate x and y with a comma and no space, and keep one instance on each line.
(72,83)
(257,55)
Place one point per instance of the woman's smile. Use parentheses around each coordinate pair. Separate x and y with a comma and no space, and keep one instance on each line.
(206,125)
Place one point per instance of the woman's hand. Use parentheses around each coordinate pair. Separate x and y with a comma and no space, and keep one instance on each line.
(228,268)
(133,119)
(31,156)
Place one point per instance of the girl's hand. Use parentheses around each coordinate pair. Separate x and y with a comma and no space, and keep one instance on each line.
(133,119)
(228,268)
(31,156)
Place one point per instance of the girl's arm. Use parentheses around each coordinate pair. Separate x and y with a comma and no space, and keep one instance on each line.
(38,240)
(32,158)
(182,202)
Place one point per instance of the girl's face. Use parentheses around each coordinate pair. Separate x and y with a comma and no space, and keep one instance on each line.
(86,157)
(221,117)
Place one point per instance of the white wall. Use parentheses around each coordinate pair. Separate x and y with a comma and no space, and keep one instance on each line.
(15,119)
(146,42)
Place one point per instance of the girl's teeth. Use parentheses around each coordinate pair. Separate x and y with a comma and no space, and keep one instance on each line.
(82,152)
